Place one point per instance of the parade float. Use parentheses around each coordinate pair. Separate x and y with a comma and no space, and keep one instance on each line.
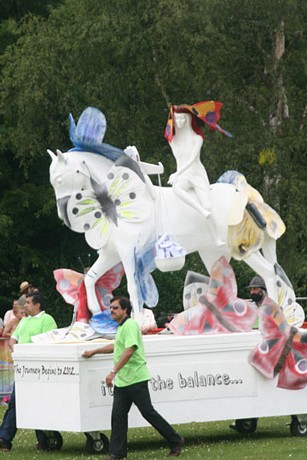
(212,365)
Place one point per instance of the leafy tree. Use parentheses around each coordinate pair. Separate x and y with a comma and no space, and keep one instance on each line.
(131,59)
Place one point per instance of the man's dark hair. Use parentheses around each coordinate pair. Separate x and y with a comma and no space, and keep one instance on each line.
(124,302)
(36,297)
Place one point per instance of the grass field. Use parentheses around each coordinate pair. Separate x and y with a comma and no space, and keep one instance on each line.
(213,441)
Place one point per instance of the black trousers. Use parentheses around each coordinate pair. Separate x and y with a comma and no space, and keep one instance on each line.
(123,399)
(8,427)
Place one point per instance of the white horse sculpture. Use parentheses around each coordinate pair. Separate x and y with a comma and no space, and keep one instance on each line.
(122,214)
(106,194)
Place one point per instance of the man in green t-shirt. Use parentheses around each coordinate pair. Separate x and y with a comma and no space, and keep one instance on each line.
(35,323)
(131,383)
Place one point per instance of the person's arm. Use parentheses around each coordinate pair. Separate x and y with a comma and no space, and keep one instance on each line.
(124,358)
(7,331)
(12,342)
(193,150)
(106,349)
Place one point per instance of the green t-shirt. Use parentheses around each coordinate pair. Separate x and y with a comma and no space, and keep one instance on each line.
(135,370)
(33,325)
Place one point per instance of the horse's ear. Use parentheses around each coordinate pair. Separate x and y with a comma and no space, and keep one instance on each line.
(52,155)
(60,155)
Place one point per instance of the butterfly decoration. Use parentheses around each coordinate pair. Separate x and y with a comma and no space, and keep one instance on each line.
(207,112)
(144,259)
(97,210)
(282,351)
(219,309)
(263,215)
(89,132)
(70,284)
(195,286)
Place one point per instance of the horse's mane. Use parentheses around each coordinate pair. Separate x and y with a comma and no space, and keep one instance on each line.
(108,151)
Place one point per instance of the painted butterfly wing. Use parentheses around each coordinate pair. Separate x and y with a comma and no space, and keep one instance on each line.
(282,351)
(70,285)
(233,314)
(126,188)
(86,215)
(196,320)
(192,294)
(108,282)
(67,284)
(91,127)
(219,310)
(103,323)
(293,375)
(266,356)
(195,285)
(119,198)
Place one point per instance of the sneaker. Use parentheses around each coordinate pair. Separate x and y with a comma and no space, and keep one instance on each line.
(5,446)
(175,451)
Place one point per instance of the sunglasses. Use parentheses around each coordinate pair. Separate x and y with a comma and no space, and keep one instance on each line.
(113,307)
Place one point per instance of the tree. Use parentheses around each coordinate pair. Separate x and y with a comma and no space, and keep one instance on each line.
(131,59)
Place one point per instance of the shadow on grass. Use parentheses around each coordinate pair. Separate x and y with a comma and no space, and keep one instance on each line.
(210,438)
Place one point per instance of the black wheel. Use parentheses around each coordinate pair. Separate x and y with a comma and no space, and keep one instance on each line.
(246,425)
(49,440)
(97,446)
(297,428)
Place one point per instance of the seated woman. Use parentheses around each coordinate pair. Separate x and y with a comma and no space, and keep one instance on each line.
(191,174)
(184,134)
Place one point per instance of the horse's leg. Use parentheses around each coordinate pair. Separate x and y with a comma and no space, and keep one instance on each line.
(104,263)
(285,291)
(128,260)
(269,249)
(264,268)
(209,257)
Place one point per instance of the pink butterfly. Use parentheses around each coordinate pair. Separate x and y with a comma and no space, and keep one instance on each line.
(70,285)
(219,309)
(283,349)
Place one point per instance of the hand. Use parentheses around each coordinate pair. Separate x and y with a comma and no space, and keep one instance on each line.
(172,178)
(132,152)
(87,354)
(145,329)
(109,379)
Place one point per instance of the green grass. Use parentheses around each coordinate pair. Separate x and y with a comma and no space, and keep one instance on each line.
(211,441)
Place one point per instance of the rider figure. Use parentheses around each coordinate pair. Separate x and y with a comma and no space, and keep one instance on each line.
(190,182)
(191,175)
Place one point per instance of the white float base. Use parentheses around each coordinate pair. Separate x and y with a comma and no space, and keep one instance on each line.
(194,379)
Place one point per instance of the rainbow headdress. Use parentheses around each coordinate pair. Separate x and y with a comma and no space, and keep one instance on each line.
(206,112)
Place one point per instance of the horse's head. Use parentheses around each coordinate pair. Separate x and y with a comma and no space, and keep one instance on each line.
(68,173)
